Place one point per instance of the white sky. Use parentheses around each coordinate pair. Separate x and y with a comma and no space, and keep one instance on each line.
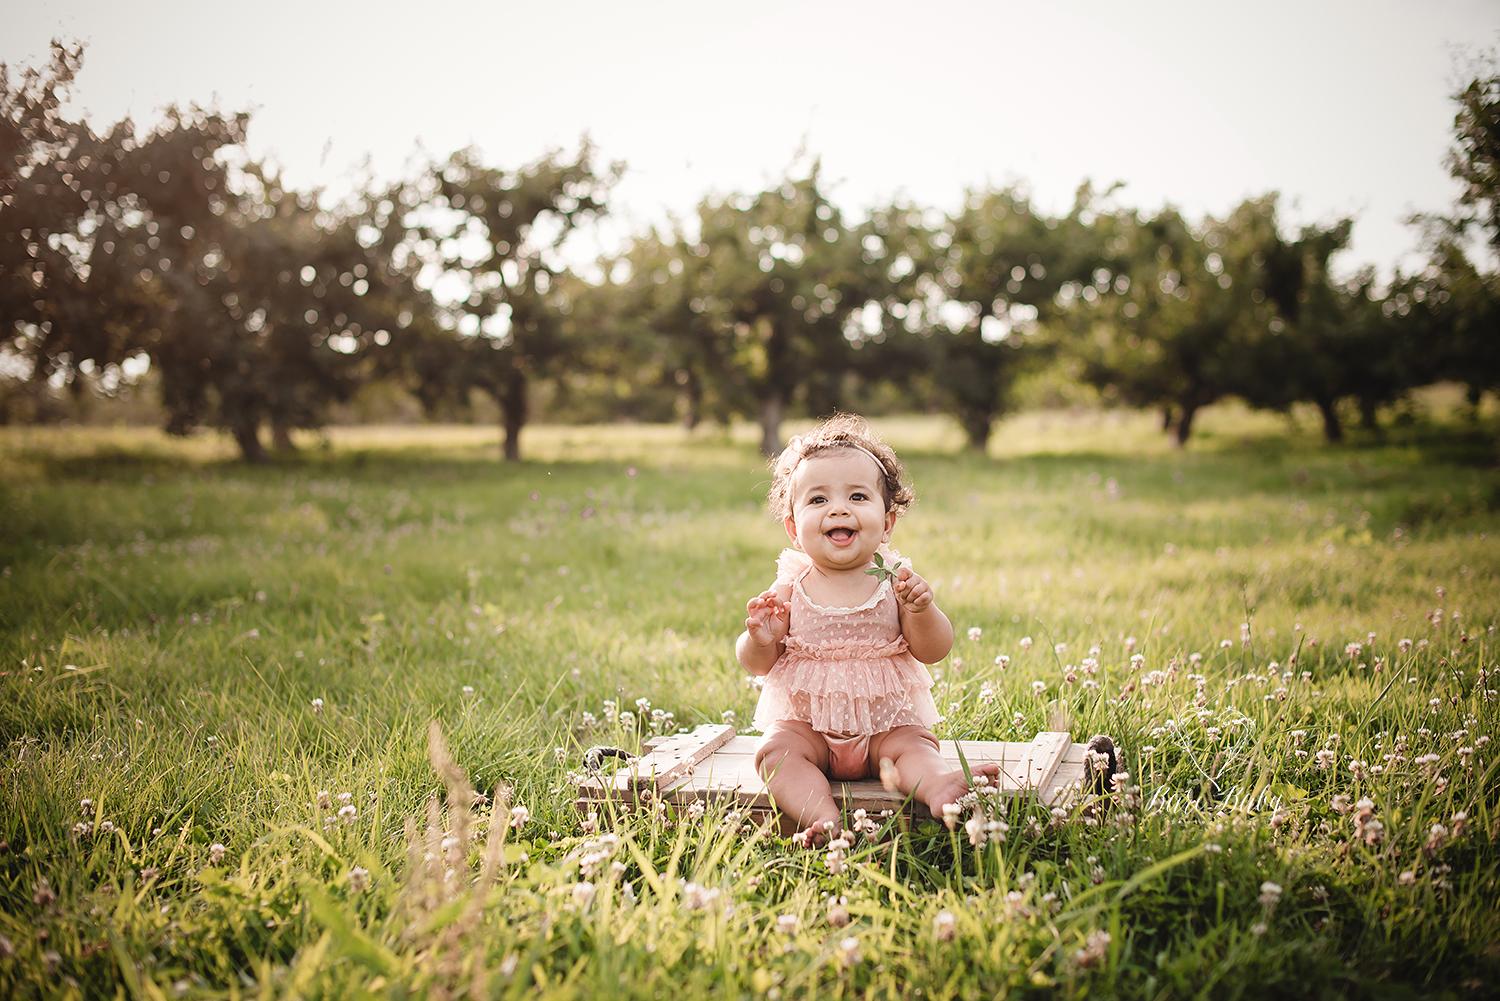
(1343,107)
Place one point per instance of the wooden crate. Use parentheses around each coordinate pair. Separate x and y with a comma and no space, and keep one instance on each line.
(712,764)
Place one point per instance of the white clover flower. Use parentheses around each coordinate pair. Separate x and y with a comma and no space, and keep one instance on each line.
(1270,893)
(583,892)
(359,879)
(974,633)
(786,923)
(697,898)
(519,815)
(215,852)
(1038,687)
(317,705)
(945,926)
(1002,661)
(1025,643)
(1094,950)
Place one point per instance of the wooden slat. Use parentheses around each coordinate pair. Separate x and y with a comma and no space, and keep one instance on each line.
(1011,756)
(730,772)
(675,756)
(1067,782)
(1047,752)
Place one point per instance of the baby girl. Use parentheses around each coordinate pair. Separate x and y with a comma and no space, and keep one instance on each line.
(841,648)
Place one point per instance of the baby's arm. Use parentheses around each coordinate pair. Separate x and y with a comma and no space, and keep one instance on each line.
(765,628)
(928,632)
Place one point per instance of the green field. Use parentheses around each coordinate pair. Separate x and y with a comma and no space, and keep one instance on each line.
(217,682)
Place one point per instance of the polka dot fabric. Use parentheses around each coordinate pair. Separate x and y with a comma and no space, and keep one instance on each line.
(845,670)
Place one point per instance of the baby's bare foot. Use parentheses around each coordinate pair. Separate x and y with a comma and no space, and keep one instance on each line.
(817,835)
(942,792)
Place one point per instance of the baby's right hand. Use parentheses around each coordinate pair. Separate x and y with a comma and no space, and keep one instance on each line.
(767,620)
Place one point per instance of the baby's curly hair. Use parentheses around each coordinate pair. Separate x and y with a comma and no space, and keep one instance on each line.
(839,431)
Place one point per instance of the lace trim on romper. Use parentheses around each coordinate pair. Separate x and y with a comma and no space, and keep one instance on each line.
(845,670)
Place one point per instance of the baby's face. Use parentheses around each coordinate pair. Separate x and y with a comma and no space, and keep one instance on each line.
(838,512)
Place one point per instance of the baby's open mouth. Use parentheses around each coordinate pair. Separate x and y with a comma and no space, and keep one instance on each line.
(841,534)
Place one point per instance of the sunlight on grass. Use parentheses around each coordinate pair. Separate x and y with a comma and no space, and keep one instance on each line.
(217,681)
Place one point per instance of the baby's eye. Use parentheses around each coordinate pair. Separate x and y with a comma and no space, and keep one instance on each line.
(859,496)
(819,499)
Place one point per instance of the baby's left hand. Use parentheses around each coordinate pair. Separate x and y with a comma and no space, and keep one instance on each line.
(914,593)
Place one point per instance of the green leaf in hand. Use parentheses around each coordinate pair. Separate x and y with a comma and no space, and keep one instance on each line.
(882,572)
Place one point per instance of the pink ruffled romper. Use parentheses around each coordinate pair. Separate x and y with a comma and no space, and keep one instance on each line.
(846,671)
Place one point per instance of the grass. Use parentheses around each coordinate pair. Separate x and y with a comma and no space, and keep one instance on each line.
(217,685)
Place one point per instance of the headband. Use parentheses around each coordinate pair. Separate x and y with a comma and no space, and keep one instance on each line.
(794,445)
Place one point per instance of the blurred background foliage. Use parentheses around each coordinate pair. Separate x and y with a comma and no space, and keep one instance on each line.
(164,276)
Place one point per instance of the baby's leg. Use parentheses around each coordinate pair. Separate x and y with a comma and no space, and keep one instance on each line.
(921,769)
(791,758)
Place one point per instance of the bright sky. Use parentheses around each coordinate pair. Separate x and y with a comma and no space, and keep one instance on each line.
(1341,106)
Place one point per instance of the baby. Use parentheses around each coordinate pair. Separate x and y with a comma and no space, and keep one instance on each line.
(841,649)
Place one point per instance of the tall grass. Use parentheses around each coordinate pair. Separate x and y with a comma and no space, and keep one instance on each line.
(219,684)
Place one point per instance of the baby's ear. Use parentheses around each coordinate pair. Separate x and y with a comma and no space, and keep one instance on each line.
(790,524)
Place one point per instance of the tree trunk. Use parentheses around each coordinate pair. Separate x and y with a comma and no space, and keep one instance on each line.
(1167,414)
(513,400)
(768,412)
(977,424)
(1333,431)
(281,438)
(1472,396)
(693,390)
(1185,424)
(1369,419)
(247,436)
